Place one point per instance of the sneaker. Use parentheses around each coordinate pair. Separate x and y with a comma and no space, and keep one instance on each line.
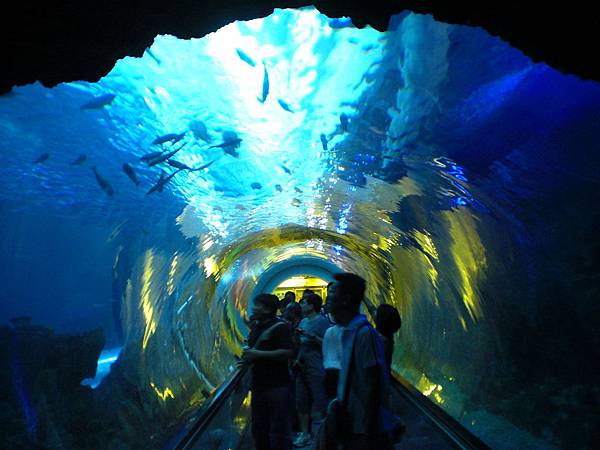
(302,440)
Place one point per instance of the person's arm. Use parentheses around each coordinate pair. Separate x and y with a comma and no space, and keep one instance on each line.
(373,400)
(282,354)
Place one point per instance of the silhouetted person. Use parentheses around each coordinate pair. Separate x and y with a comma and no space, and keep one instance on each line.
(270,347)
(363,386)
(387,322)
(288,297)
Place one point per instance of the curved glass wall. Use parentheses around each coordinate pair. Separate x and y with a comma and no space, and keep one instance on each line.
(453,173)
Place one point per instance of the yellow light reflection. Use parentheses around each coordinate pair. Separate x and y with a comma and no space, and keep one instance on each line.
(172,270)
(145,298)
(430,389)
(162,394)
(210,266)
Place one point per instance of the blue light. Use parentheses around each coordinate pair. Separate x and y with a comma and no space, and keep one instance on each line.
(105,361)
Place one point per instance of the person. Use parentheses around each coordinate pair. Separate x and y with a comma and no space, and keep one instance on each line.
(269,349)
(288,298)
(387,322)
(310,388)
(332,351)
(363,386)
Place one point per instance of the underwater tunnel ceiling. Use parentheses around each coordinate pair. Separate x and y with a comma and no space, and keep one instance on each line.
(55,42)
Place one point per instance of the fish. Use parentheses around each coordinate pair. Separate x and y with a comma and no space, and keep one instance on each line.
(203,166)
(278,187)
(244,57)
(174,138)
(178,165)
(163,157)
(99,102)
(344,122)
(151,156)
(235,143)
(79,160)
(324,141)
(296,202)
(199,130)
(286,170)
(284,105)
(130,173)
(153,56)
(103,182)
(256,185)
(265,86)
(162,181)
(298,190)
(43,157)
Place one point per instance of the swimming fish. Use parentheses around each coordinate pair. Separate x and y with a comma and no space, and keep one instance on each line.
(43,157)
(286,170)
(204,166)
(103,182)
(324,141)
(178,165)
(344,122)
(163,157)
(278,187)
(265,86)
(256,185)
(153,56)
(130,173)
(151,156)
(284,105)
(298,190)
(235,143)
(200,131)
(160,184)
(79,160)
(244,57)
(99,102)
(171,137)
(296,202)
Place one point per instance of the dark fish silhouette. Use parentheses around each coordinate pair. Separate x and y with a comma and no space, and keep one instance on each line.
(104,184)
(43,157)
(200,131)
(99,102)
(151,156)
(203,166)
(278,187)
(256,185)
(171,137)
(235,143)
(284,105)
(178,165)
(298,190)
(324,141)
(162,181)
(130,173)
(163,157)
(286,170)
(80,160)
(265,86)
(344,122)
(244,57)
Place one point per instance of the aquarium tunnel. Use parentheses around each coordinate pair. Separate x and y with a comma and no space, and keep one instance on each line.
(142,213)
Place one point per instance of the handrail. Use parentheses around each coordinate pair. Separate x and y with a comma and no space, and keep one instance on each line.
(450,427)
(220,396)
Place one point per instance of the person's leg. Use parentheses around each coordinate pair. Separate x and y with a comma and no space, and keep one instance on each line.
(316,384)
(280,411)
(260,420)
(302,403)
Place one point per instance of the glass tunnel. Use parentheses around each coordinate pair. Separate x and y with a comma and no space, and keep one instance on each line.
(141,214)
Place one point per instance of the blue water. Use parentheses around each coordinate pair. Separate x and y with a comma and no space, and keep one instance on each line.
(458,177)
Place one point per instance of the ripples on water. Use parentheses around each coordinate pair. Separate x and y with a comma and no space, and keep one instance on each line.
(395,193)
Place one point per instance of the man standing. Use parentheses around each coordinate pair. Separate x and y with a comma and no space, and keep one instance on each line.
(270,348)
(363,384)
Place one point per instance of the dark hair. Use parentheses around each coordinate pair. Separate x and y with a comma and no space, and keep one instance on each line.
(315,300)
(352,287)
(290,292)
(387,319)
(268,300)
(292,311)
(307,292)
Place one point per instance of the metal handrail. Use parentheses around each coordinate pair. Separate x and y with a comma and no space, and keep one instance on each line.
(450,427)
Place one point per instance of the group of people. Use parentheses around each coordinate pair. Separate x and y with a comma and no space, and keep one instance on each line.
(321,367)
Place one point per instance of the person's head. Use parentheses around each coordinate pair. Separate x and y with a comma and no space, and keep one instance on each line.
(345,296)
(307,292)
(288,297)
(311,304)
(292,313)
(264,307)
(327,304)
(387,319)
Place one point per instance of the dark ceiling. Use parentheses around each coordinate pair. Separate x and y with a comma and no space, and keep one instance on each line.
(61,41)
